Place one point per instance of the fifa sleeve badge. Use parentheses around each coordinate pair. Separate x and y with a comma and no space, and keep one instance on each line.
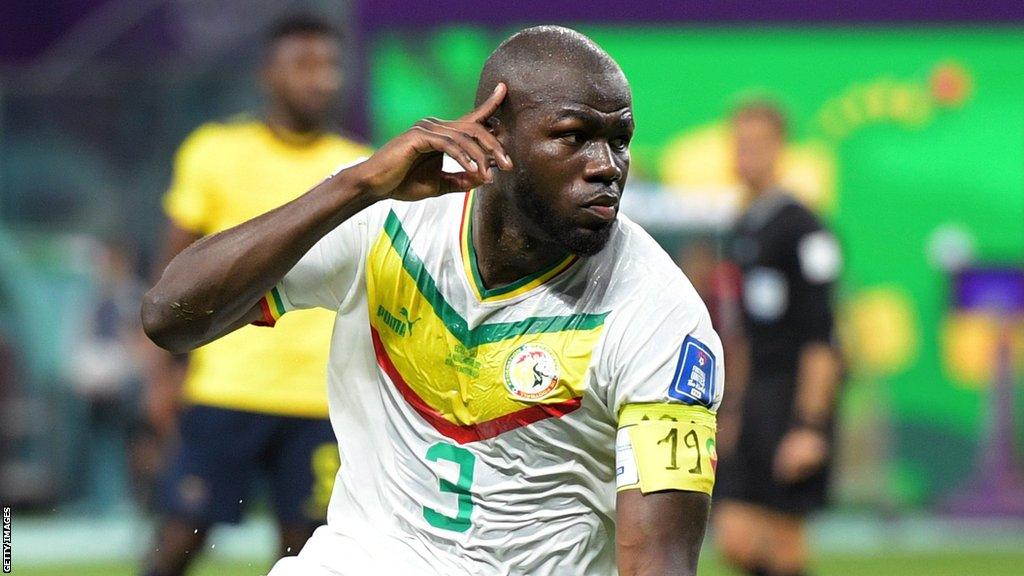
(694,379)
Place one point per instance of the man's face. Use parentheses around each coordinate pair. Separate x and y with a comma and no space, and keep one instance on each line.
(758,146)
(569,141)
(303,75)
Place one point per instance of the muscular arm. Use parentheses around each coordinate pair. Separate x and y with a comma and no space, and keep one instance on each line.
(214,285)
(660,533)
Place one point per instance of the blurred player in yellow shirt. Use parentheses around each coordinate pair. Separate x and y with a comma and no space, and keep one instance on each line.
(255,403)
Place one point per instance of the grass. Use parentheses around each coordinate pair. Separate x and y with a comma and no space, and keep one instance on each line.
(959,564)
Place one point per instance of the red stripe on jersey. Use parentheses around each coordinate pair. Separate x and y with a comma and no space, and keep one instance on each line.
(468,432)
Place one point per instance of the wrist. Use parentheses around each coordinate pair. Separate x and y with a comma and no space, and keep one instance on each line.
(817,424)
(362,184)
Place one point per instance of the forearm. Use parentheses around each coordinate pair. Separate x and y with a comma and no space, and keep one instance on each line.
(214,284)
(817,384)
(209,287)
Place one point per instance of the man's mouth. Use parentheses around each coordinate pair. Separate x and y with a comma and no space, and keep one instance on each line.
(604,206)
(602,212)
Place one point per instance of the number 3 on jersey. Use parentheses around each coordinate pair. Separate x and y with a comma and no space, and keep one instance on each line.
(465,461)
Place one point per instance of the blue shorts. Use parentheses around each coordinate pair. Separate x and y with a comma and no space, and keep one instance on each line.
(210,480)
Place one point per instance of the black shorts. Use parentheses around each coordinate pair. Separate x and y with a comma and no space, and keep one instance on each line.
(223,452)
(746,474)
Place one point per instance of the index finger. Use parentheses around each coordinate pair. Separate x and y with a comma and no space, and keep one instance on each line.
(488,107)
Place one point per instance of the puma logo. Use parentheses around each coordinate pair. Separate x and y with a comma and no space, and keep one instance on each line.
(404,312)
(400,327)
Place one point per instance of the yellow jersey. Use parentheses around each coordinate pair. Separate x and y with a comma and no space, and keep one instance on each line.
(225,174)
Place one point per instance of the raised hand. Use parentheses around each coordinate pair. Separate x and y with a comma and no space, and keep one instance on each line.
(408,167)
(210,275)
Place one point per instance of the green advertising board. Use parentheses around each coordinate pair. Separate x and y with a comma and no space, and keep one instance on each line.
(910,142)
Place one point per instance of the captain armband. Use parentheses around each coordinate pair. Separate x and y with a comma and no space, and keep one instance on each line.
(665,447)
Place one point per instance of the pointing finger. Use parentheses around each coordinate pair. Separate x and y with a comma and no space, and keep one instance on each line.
(488,107)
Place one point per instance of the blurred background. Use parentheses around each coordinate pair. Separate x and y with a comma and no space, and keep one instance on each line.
(907,137)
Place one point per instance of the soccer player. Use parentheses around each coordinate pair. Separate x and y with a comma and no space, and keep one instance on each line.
(776,471)
(522,381)
(255,401)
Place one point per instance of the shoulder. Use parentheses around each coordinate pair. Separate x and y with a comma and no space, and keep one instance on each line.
(639,264)
(644,280)
(657,325)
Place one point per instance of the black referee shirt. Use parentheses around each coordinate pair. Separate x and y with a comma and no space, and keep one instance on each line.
(789,263)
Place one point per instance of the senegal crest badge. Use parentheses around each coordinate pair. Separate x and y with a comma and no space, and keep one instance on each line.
(531,372)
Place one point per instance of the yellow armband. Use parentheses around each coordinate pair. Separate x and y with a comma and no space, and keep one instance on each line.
(666,447)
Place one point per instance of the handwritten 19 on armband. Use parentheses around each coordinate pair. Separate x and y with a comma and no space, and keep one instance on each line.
(666,447)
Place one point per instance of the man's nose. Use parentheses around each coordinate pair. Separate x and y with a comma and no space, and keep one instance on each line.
(601,166)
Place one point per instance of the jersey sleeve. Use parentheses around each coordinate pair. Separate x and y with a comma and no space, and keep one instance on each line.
(819,262)
(666,385)
(330,273)
(667,353)
(189,202)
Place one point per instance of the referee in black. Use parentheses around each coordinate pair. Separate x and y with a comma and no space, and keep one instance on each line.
(776,438)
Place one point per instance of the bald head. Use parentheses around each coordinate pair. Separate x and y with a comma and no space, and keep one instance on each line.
(549,63)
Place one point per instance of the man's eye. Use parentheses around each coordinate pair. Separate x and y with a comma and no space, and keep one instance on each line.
(575,138)
(620,143)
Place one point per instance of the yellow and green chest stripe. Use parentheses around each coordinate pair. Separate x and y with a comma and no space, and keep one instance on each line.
(470,383)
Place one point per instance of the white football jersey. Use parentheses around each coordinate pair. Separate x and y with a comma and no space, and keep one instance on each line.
(477,427)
